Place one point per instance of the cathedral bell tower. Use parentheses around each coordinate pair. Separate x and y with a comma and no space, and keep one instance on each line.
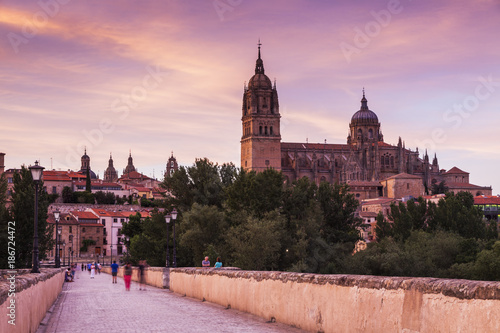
(261,139)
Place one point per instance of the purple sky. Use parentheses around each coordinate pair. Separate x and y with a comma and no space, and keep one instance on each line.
(153,77)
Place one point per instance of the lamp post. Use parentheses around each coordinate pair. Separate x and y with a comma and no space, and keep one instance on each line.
(58,233)
(36,173)
(174,217)
(111,249)
(167,219)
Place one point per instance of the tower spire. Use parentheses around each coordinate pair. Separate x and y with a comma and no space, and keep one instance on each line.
(259,65)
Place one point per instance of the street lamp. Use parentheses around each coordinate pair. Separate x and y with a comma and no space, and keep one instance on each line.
(167,219)
(58,233)
(36,173)
(111,249)
(174,217)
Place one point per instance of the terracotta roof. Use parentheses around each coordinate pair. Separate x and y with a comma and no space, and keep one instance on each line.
(84,215)
(62,219)
(454,185)
(368,214)
(98,225)
(52,175)
(487,200)
(134,175)
(455,170)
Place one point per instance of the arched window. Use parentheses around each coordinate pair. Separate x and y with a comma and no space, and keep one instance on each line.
(382,160)
(370,134)
(360,133)
(392,161)
(260,130)
(265,130)
(271,130)
(387,160)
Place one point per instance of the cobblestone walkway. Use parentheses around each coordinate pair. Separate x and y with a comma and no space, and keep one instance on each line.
(97,305)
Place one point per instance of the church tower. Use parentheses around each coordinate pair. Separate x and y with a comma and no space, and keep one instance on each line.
(172,166)
(130,166)
(261,139)
(110,175)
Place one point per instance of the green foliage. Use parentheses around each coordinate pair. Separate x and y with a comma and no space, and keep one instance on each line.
(104,198)
(86,243)
(440,188)
(67,195)
(88,181)
(406,217)
(23,214)
(256,242)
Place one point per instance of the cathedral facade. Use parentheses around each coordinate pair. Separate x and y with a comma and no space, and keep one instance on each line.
(364,162)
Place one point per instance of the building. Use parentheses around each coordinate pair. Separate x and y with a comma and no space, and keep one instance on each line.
(110,175)
(86,165)
(364,162)
(90,228)
(490,205)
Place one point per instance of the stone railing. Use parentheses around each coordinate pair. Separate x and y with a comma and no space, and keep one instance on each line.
(25,297)
(348,303)
(153,276)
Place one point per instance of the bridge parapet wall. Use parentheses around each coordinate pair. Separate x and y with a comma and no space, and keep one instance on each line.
(348,303)
(25,297)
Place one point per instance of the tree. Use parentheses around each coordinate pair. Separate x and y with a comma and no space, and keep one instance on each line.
(408,216)
(457,213)
(202,227)
(383,228)
(256,242)
(67,195)
(23,210)
(440,188)
(339,206)
(88,182)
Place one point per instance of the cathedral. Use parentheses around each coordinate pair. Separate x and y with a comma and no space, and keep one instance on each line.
(365,162)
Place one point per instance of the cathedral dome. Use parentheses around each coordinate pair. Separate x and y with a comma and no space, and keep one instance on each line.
(364,116)
(259,81)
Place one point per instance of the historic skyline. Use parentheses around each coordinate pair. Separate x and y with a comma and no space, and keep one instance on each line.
(152,78)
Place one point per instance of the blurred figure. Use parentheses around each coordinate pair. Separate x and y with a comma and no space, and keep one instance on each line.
(218,263)
(114,271)
(142,266)
(127,276)
(92,270)
(205,263)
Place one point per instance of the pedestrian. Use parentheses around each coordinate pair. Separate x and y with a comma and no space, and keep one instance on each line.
(206,262)
(218,264)
(88,267)
(127,276)
(67,276)
(99,268)
(114,271)
(73,271)
(82,266)
(92,270)
(142,266)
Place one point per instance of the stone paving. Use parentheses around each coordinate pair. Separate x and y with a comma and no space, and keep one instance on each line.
(97,305)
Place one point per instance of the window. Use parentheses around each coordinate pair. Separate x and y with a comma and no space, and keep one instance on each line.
(9,180)
(115,220)
(71,238)
(122,220)
(54,189)
(97,230)
(407,186)
(271,130)
(370,134)
(172,164)
(103,221)
(260,130)
(70,229)
(83,229)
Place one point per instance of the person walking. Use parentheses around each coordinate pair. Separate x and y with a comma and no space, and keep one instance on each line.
(127,275)
(142,266)
(114,271)
(82,266)
(92,270)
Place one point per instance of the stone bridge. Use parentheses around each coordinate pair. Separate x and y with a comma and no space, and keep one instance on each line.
(230,300)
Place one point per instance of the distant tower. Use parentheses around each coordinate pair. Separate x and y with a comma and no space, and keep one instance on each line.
(171,166)
(110,175)
(86,165)
(130,166)
(261,139)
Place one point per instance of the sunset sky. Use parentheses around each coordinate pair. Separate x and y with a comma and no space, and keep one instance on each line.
(152,77)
